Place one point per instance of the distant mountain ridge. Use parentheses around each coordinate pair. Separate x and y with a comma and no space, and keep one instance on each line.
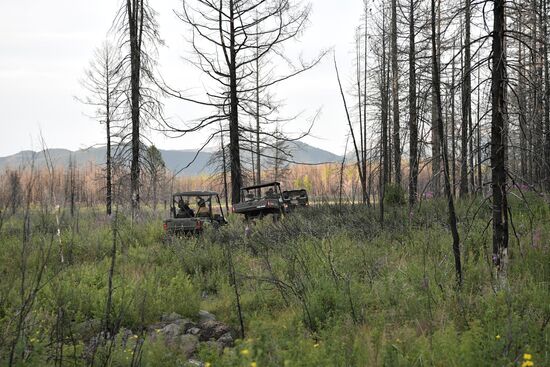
(175,159)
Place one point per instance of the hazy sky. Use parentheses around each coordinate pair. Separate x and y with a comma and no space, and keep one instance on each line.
(45,46)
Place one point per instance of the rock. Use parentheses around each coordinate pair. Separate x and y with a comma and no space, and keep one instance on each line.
(215,346)
(170,318)
(226,340)
(206,316)
(194,331)
(213,330)
(194,362)
(170,333)
(188,344)
(185,325)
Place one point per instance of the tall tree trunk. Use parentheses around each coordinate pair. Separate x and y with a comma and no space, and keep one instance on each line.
(413,119)
(135,12)
(385,169)
(466,102)
(360,156)
(395,95)
(436,147)
(522,105)
(436,85)
(365,77)
(258,155)
(453,137)
(236,175)
(478,130)
(109,197)
(224,162)
(498,144)
(547,98)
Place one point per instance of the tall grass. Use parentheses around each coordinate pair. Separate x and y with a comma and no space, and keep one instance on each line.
(327,286)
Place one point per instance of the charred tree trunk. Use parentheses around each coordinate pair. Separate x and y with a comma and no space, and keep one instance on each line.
(395,95)
(236,175)
(135,12)
(364,137)
(413,119)
(498,144)
(478,130)
(466,103)
(547,98)
(385,160)
(109,174)
(224,162)
(436,147)
(453,123)
(436,85)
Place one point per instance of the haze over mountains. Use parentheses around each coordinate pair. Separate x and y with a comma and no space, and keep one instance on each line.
(175,159)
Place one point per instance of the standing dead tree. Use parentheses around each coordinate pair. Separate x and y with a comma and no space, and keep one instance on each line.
(436,85)
(395,95)
(466,101)
(228,38)
(103,84)
(498,138)
(413,114)
(137,29)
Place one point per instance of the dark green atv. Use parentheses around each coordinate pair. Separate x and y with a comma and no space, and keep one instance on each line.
(193,211)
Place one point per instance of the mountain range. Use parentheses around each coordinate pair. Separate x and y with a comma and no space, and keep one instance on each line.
(175,160)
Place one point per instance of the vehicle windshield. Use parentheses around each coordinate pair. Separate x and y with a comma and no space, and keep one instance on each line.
(195,206)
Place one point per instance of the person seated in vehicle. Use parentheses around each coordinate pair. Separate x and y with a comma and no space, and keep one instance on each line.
(249,196)
(184,210)
(270,194)
(202,210)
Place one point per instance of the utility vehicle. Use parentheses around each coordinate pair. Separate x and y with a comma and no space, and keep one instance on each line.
(192,211)
(261,200)
(295,199)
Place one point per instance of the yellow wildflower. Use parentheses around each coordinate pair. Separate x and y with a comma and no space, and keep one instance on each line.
(316,345)
(497,337)
(527,356)
(527,364)
(245,352)
(208,364)
(253,364)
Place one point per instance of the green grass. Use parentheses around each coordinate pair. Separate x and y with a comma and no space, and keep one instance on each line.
(322,287)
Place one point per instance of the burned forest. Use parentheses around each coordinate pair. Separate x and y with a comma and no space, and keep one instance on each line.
(275,183)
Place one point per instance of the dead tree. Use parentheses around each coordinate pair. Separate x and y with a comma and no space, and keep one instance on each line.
(103,84)
(498,138)
(466,102)
(436,85)
(395,95)
(228,38)
(547,95)
(413,117)
(137,29)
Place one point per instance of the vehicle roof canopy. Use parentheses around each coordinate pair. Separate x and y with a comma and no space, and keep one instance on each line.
(295,190)
(195,193)
(267,184)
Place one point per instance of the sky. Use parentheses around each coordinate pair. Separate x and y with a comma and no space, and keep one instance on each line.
(46,46)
